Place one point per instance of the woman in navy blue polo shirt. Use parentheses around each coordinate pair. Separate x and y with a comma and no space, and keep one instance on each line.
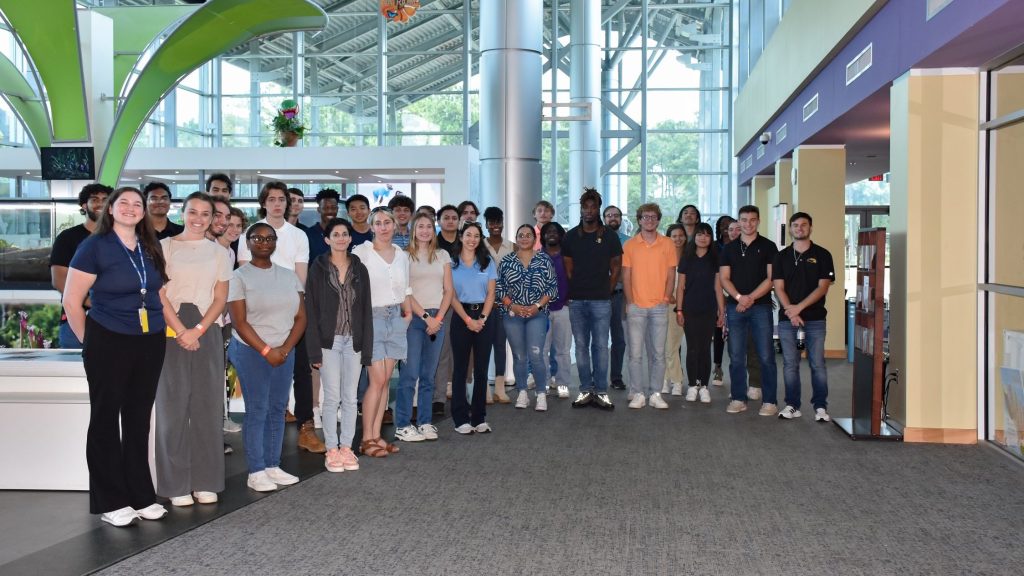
(120,267)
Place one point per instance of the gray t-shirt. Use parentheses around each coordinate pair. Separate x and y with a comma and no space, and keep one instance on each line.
(271,300)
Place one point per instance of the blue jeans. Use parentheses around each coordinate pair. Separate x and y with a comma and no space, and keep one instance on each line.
(66,337)
(647,329)
(557,345)
(526,337)
(756,320)
(590,322)
(265,392)
(618,335)
(814,335)
(339,377)
(421,364)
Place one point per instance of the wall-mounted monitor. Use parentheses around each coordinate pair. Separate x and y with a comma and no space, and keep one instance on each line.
(68,163)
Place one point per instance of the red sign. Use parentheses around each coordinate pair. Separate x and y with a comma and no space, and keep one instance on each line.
(876,178)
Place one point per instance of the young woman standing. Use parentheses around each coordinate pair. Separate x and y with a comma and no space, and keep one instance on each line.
(674,376)
(700,306)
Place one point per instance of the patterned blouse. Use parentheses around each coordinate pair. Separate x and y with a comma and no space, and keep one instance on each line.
(526,285)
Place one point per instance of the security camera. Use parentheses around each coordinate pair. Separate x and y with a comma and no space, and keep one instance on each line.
(766,137)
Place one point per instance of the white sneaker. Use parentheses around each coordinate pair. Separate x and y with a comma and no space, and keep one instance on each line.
(788,413)
(409,434)
(318,421)
(666,386)
(121,517)
(542,403)
(768,409)
(563,391)
(677,389)
(280,477)
(429,432)
(185,500)
(523,400)
(483,428)
(466,428)
(753,393)
(736,406)
(691,394)
(230,426)
(821,415)
(206,497)
(657,402)
(705,396)
(260,482)
(152,512)
(638,401)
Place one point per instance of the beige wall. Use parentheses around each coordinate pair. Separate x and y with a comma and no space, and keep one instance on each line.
(934,216)
(820,190)
(804,39)
(761,192)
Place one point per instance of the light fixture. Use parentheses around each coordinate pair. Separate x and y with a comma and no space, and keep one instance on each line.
(176,172)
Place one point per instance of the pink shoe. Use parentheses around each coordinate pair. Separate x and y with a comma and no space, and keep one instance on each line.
(332,461)
(347,459)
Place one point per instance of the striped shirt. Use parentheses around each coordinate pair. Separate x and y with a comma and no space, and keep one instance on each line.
(526,285)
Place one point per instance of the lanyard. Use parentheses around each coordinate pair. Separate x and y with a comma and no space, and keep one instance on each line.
(143,273)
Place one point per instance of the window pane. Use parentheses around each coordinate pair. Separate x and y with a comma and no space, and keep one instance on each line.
(1008,88)
(1006,319)
(1006,149)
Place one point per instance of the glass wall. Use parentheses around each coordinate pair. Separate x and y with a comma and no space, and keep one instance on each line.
(757,20)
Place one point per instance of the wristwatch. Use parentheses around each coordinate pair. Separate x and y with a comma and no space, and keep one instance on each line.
(537,304)
(425,315)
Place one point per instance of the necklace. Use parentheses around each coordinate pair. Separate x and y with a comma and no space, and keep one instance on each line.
(743,249)
(796,257)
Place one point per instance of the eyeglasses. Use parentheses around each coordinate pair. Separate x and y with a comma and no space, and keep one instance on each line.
(650,217)
(262,239)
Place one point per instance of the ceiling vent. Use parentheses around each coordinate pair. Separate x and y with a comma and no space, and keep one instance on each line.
(760,151)
(780,134)
(811,107)
(859,64)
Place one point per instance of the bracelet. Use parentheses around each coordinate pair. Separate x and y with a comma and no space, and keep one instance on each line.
(265,351)
(201,328)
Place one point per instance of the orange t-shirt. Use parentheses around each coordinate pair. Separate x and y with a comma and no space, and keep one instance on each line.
(649,266)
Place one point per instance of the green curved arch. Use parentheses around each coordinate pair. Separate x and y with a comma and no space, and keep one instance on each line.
(216,27)
(25,102)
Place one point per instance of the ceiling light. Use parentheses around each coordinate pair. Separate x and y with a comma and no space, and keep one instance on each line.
(176,172)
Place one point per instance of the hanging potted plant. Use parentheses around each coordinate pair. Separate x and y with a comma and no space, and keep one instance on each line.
(287,125)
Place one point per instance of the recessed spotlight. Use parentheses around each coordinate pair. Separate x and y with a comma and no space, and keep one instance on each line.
(416,171)
(176,172)
(335,171)
(27,172)
(258,172)
(310,181)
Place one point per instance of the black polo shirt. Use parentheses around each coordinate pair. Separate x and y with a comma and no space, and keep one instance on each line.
(447,246)
(699,292)
(801,273)
(748,265)
(591,254)
(170,230)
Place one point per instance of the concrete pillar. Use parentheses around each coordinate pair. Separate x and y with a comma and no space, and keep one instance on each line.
(585,88)
(760,190)
(933,335)
(510,107)
(820,190)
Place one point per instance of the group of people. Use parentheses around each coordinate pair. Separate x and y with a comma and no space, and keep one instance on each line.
(423,290)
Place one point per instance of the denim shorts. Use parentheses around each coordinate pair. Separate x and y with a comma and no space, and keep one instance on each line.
(389,338)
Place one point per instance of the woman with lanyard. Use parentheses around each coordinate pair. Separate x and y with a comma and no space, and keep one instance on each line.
(498,248)
(430,280)
(526,283)
(474,278)
(189,418)
(120,268)
(388,267)
(700,306)
(269,319)
(339,335)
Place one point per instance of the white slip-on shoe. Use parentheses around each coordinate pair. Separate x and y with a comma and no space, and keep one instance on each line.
(152,512)
(121,517)
(259,482)
(280,477)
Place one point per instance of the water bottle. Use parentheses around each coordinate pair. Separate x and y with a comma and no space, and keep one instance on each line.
(801,340)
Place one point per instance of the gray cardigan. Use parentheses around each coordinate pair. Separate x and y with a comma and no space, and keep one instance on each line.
(322,302)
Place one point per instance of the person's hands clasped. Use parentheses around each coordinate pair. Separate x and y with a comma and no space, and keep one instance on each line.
(189,339)
(433,325)
(277,356)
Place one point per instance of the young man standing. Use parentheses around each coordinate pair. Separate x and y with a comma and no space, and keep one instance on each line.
(448,218)
(613,220)
(158,204)
(802,273)
(402,207)
(746,270)
(689,216)
(559,339)
(648,282)
(593,257)
(90,202)
(221,214)
(543,212)
(327,207)
(296,204)
(358,208)
(219,185)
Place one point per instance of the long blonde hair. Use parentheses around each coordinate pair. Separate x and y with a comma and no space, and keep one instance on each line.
(414,245)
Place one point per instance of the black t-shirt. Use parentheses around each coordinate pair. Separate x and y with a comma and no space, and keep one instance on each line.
(699,294)
(171,229)
(801,273)
(64,247)
(447,246)
(748,265)
(591,262)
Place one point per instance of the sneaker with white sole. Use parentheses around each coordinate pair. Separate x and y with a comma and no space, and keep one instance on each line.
(429,431)
(332,461)
(280,477)
(736,406)
(349,460)
(260,482)
(182,501)
(716,376)
(121,517)
(788,413)
(206,497)
(753,393)
(705,396)
(542,403)
(637,401)
(563,391)
(691,394)
(466,428)
(821,415)
(666,386)
(677,389)
(523,400)
(152,512)
(483,428)
(768,409)
(656,401)
(409,434)
(231,427)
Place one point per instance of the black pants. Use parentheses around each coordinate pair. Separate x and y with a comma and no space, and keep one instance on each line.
(719,346)
(123,372)
(302,375)
(464,342)
(699,329)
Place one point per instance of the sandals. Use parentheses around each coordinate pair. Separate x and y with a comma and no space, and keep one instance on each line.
(372,449)
(390,448)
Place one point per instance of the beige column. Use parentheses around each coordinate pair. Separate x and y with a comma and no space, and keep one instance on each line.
(760,196)
(780,193)
(934,117)
(819,189)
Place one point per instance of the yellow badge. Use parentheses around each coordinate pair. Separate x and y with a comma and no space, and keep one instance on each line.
(144,320)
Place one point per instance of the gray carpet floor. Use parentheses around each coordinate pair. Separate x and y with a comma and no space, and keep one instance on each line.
(689,490)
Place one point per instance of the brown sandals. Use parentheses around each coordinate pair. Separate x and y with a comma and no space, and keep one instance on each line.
(372,449)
